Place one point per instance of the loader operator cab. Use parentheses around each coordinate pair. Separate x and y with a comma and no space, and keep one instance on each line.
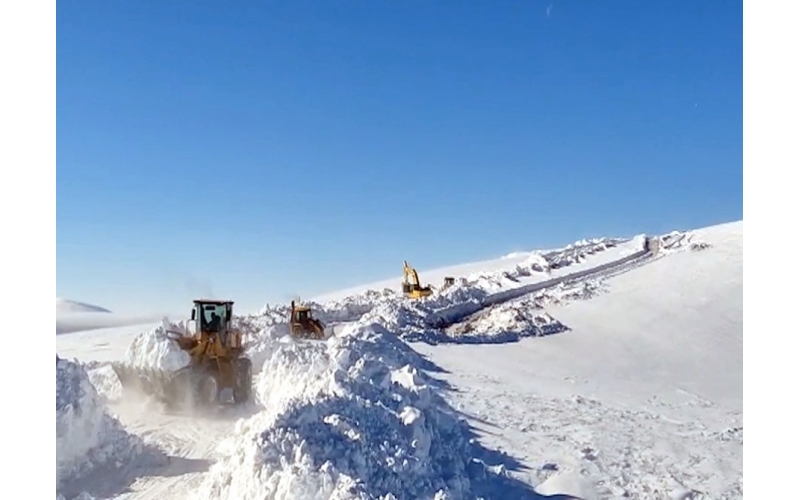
(213,317)
(301,314)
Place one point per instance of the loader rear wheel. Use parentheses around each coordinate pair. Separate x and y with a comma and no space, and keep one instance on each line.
(207,392)
(244,381)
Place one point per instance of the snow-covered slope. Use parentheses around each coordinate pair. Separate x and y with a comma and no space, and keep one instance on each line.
(564,367)
(642,397)
(523,263)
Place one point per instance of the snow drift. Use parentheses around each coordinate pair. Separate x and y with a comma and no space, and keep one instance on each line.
(87,437)
(353,417)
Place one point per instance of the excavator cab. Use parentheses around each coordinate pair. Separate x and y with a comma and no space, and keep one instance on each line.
(411,287)
(304,325)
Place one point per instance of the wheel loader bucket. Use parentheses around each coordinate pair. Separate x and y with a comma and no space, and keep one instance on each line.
(169,387)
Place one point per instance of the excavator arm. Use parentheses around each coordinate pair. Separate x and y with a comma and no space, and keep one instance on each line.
(410,275)
(411,285)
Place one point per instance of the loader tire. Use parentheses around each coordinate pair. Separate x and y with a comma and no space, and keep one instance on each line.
(207,389)
(244,381)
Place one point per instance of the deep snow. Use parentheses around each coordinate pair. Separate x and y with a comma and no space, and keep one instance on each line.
(88,439)
(588,409)
(354,417)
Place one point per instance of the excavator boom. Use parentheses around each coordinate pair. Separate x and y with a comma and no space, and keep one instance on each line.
(411,286)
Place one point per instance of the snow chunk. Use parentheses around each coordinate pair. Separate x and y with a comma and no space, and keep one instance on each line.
(87,437)
(155,350)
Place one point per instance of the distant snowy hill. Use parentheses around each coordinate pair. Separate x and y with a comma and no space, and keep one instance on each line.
(73,316)
(66,306)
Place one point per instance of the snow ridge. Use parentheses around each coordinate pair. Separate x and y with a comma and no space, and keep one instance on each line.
(87,437)
(353,417)
(420,320)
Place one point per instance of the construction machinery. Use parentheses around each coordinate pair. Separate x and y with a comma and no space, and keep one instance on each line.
(304,325)
(218,362)
(411,286)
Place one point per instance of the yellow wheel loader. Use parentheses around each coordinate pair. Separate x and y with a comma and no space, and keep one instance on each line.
(218,362)
(303,324)
(411,287)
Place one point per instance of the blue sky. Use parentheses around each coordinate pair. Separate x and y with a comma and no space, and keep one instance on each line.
(257,150)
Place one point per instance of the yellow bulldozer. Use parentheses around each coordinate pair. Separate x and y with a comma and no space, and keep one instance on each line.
(303,324)
(218,362)
(411,286)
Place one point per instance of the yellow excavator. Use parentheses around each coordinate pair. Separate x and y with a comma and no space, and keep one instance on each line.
(411,287)
(218,362)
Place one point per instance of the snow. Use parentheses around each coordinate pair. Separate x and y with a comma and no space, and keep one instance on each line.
(598,370)
(422,319)
(516,263)
(155,350)
(642,396)
(87,437)
(353,417)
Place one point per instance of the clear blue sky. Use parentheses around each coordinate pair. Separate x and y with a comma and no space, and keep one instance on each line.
(256,150)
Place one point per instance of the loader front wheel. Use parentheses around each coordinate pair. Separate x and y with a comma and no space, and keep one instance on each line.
(207,389)
(244,381)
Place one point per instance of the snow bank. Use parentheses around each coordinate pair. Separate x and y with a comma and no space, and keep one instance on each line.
(677,241)
(352,417)
(421,320)
(156,351)
(87,437)
(468,288)
(424,319)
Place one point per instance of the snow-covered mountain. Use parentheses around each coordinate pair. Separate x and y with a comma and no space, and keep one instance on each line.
(608,369)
